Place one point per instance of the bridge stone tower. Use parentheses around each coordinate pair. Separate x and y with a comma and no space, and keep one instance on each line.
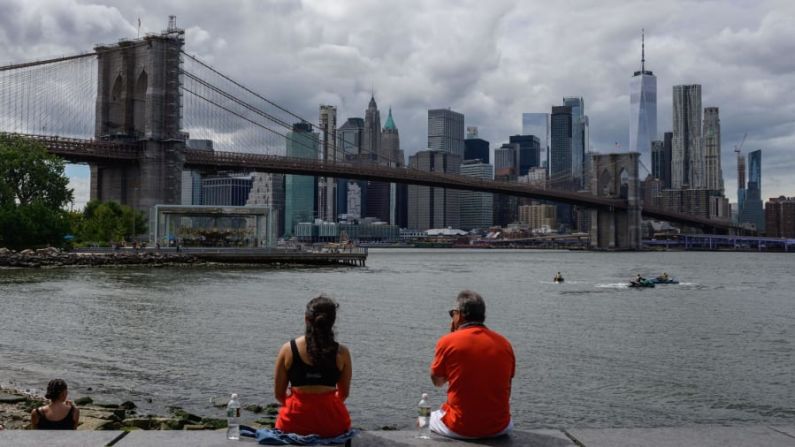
(139,102)
(616,176)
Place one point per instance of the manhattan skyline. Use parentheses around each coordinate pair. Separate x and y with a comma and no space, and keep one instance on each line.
(490,62)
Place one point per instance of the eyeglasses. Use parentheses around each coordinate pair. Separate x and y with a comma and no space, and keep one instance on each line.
(452,312)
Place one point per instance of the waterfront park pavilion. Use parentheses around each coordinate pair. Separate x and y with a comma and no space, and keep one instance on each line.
(213,226)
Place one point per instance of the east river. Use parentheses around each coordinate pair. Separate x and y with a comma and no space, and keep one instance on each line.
(718,348)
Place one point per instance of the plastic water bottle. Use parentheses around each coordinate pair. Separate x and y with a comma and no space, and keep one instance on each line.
(233,418)
(424,418)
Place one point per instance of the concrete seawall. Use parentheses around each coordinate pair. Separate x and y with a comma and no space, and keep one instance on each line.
(702,436)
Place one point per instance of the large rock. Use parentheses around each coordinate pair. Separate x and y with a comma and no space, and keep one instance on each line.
(153,423)
(85,400)
(6,398)
(97,413)
(254,408)
(219,402)
(93,424)
(128,405)
(181,414)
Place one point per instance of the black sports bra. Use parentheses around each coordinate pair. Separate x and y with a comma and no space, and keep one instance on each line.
(301,374)
(67,423)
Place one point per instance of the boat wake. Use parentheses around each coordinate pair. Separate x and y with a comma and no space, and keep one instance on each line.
(615,285)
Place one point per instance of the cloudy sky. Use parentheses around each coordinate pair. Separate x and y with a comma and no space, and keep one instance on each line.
(491,60)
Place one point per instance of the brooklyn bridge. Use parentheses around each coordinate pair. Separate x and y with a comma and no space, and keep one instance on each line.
(128,109)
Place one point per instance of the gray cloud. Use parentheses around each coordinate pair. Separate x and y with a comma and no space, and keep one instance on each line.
(489,60)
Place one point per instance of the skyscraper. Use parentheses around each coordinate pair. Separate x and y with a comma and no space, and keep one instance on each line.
(327,200)
(668,142)
(740,182)
(711,133)
(299,190)
(350,137)
(375,200)
(446,131)
(476,207)
(433,207)
(505,159)
(475,148)
(752,211)
(349,145)
(642,108)
(579,138)
(390,144)
(687,156)
(268,189)
(371,141)
(560,164)
(529,153)
(661,162)
(537,124)
(226,190)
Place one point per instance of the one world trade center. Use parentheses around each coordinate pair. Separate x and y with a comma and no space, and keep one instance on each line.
(643,109)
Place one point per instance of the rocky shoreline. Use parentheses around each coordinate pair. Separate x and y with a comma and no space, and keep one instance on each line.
(53,257)
(15,408)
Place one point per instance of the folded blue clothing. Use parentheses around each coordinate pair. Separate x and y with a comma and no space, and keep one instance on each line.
(268,436)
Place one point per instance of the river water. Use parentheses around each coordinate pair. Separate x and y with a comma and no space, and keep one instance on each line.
(718,348)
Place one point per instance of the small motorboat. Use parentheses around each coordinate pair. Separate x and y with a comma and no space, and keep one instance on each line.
(664,280)
(558,280)
(641,283)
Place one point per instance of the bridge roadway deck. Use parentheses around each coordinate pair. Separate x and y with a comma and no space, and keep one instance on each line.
(303,166)
(82,151)
(698,435)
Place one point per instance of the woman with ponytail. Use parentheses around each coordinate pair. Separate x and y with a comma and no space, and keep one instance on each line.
(313,376)
(60,414)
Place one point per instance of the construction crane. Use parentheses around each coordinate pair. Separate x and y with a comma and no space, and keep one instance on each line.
(739,147)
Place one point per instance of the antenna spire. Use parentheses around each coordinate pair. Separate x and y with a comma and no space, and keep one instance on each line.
(643,51)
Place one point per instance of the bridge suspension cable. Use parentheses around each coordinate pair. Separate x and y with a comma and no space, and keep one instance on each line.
(53,97)
(46,61)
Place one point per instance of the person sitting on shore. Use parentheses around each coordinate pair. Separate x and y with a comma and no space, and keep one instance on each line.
(318,372)
(60,414)
(478,364)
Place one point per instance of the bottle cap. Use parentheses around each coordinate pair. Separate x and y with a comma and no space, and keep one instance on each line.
(234,395)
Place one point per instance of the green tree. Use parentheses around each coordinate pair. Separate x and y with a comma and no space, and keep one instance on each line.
(109,221)
(33,194)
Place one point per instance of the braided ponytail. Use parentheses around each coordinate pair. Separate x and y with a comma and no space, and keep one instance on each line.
(321,312)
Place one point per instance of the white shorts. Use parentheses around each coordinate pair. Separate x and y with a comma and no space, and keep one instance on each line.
(438,427)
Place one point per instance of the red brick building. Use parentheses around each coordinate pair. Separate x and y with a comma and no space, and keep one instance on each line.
(780,217)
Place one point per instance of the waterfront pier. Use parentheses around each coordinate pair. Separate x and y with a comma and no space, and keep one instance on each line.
(96,257)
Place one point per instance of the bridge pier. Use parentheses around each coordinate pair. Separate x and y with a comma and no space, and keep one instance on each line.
(115,181)
(616,176)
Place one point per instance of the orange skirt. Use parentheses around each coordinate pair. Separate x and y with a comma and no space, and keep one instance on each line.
(322,414)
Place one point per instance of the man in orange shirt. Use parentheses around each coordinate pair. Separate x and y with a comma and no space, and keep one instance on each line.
(478,364)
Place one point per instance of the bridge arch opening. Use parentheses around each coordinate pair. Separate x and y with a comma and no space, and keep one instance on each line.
(139,104)
(606,183)
(116,106)
(623,178)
